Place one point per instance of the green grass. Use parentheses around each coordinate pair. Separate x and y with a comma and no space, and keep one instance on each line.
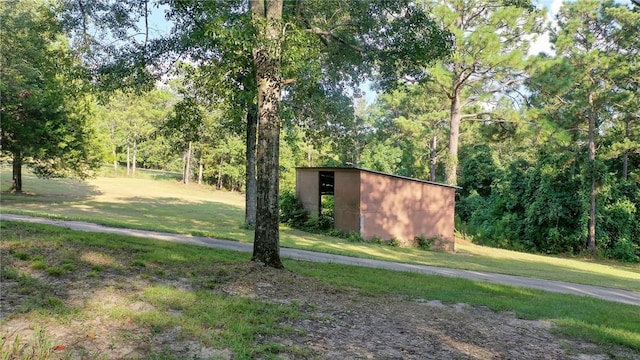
(237,323)
(166,205)
(216,320)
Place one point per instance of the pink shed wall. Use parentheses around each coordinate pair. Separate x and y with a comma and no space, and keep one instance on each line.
(308,190)
(382,205)
(400,208)
(347,200)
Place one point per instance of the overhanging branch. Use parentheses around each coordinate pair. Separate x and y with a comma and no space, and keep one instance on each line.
(326,35)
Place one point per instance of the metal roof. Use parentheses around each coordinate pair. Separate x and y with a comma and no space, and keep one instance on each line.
(353,168)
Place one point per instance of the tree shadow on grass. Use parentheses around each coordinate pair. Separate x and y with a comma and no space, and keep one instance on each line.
(169,214)
(50,190)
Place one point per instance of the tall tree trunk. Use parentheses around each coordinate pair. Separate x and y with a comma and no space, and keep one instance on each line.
(219,185)
(17,173)
(267,16)
(251,190)
(200,171)
(591,240)
(112,133)
(135,155)
(115,162)
(433,158)
(186,173)
(184,168)
(128,157)
(625,157)
(454,137)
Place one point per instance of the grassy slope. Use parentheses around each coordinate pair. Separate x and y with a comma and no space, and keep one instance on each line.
(169,206)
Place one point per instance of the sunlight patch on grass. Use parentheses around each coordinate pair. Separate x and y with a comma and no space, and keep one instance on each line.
(600,333)
(97,258)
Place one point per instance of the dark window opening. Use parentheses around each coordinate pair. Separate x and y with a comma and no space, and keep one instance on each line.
(327,181)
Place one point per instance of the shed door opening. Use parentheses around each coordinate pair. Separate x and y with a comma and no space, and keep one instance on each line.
(326,197)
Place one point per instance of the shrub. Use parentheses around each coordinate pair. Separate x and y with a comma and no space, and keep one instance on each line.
(394,242)
(292,211)
(425,243)
(355,237)
(625,251)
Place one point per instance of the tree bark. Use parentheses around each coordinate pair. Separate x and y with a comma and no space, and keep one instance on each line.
(267,15)
(219,185)
(17,173)
(115,162)
(251,190)
(625,157)
(591,240)
(112,132)
(455,119)
(128,157)
(200,171)
(186,173)
(135,155)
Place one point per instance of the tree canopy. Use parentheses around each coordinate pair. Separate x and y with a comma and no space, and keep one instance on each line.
(44,109)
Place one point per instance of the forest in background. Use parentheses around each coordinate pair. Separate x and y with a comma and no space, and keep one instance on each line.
(545,148)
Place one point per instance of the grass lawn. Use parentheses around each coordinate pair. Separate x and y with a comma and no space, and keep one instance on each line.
(174,282)
(166,205)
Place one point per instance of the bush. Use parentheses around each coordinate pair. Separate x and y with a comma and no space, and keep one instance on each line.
(394,242)
(292,211)
(355,237)
(425,243)
(625,251)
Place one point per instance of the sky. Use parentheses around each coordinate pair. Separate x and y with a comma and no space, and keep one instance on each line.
(542,43)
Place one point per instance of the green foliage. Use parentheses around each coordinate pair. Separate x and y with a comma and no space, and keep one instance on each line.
(624,250)
(46,110)
(292,211)
(425,243)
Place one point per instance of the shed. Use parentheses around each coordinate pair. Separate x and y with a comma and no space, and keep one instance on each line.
(376,204)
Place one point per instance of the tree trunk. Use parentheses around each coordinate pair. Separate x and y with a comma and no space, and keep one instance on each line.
(454,137)
(625,157)
(433,158)
(112,134)
(128,157)
(251,190)
(186,171)
(135,154)
(591,240)
(17,173)
(115,162)
(219,185)
(200,171)
(267,15)
(184,168)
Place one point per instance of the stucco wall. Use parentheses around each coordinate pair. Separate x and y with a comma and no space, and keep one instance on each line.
(308,189)
(403,209)
(347,200)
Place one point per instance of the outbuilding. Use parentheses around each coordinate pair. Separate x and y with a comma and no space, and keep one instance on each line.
(381,205)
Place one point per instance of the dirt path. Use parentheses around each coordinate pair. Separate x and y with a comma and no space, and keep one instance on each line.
(617,295)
